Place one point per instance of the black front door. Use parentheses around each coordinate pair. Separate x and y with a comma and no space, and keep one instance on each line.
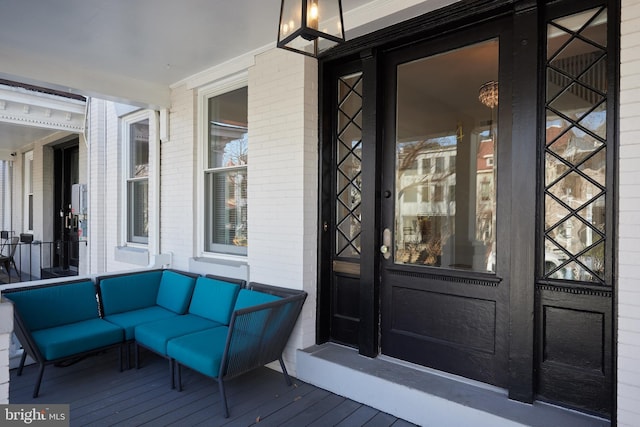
(65,244)
(445,263)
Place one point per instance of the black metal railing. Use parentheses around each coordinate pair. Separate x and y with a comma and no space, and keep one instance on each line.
(27,260)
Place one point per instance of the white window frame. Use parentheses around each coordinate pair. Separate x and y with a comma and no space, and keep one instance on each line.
(28,192)
(228,84)
(152,180)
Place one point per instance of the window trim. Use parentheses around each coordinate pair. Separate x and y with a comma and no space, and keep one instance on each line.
(236,81)
(153,211)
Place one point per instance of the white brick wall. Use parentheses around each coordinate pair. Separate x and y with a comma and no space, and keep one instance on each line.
(106,187)
(283,183)
(628,399)
(178,201)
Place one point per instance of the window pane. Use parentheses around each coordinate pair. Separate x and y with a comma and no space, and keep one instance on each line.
(348,196)
(445,150)
(30,211)
(138,214)
(576,147)
(228,142)
(226,211)
(139,146)
(226,174)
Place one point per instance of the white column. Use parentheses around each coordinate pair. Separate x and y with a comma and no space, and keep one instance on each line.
(283,180)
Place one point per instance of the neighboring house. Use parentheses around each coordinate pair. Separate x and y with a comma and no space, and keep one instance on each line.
(369,179)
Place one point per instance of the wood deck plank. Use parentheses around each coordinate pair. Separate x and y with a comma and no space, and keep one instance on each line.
(100,395)
(337,414)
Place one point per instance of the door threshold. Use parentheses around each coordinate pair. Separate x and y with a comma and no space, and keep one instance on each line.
(424,396)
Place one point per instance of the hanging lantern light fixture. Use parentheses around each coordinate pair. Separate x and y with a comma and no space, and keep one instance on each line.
(310,26)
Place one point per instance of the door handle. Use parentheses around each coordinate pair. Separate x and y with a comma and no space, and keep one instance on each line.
(386,244)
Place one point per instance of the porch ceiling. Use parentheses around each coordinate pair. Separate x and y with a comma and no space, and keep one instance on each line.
(132,52)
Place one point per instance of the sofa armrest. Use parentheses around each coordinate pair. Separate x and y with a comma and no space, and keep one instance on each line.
(258,334)
(24,336)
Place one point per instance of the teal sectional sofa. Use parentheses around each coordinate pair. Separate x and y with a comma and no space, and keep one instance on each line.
(213,325)
(57,322)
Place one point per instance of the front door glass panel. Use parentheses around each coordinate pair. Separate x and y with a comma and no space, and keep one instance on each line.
(446,139)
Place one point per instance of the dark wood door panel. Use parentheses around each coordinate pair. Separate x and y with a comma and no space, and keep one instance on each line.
(345,311)
(447,323)
(574,353)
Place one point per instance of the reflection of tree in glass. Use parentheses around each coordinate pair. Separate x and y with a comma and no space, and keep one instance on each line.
(236,152)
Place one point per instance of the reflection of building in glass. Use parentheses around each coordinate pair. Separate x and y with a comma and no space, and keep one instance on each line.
(427,199)
(485,192)
(574,204)
(445,203)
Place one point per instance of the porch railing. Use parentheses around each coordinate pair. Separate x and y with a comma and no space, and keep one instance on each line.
(37,260)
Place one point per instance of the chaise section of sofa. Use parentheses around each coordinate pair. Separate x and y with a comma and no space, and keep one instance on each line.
(60,321)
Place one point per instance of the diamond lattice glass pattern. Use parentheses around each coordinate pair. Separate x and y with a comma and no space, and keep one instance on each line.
(349,166)
(575,157)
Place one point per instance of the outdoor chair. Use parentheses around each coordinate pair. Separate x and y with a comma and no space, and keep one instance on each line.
(7,253)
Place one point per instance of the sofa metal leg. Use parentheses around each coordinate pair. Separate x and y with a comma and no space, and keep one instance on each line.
(179,376)
(36,390)
(287,378)
(120,350)
(127,354)
(23,359)
(136,355)
(223,396)
(171,373)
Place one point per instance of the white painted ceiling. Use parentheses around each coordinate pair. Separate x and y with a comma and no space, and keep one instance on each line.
(116,48)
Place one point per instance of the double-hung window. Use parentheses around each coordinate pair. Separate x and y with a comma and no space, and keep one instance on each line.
(225,173)
(137,180)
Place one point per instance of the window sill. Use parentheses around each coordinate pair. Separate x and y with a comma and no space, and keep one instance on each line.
(132,255)
(236,267)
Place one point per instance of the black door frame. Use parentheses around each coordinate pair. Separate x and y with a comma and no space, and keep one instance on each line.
(526,16)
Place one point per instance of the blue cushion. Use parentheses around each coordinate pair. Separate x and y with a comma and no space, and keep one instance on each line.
(248,298)
(74,338)
(201,351)
(130,319)
(214,299)
(175,291)
(130,291)
(52,306)
(155,335)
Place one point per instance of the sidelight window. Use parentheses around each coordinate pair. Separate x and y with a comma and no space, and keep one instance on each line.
(348,194)
(576,145)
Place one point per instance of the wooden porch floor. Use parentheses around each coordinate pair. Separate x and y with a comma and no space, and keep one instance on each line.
(100,395)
